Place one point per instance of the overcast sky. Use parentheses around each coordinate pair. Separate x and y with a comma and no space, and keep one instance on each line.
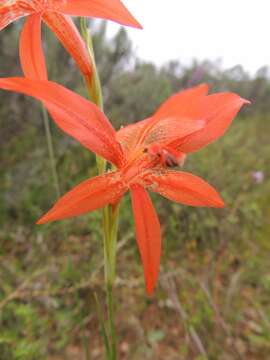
(237,31)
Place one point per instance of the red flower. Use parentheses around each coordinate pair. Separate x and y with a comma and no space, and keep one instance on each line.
(143,153)
(55,13)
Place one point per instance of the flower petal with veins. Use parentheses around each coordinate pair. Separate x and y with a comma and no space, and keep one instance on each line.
(218,110)
(73,114)
(69,36)
(31,52)
(148,235)
(90,195)
(170,122)
(105,9)
(183,188)
(11,11)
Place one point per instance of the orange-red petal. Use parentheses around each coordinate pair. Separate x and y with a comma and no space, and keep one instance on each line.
(9,12)
(171,122)
(105,9)
(162,131)
(212,113)
(218,110)
(75,115)
(175,117)
(68,34)
(90,195)
(183,188)
(31,52)
(179,103)
(148,235)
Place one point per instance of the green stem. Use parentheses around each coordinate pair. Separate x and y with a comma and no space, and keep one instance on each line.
(103,329)
(114,220)
(51,151)
(110,213)
(93,84)
(111,320)
(110,231)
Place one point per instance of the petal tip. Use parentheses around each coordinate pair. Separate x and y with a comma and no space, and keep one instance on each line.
(241,101)
(220,204)
(139,26)
(40,221)
(135,23)
(245,101)
(43,220)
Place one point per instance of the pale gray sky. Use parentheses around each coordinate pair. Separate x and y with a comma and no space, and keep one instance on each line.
(237,31)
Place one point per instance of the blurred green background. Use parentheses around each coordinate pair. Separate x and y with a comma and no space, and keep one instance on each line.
(212,301)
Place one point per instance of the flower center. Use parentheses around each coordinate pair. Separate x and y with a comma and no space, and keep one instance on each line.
(165,156)
(136,164)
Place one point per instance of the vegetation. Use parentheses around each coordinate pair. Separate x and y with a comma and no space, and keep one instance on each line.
(213,297)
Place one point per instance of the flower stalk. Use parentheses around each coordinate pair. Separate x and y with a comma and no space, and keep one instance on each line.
(109,213)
